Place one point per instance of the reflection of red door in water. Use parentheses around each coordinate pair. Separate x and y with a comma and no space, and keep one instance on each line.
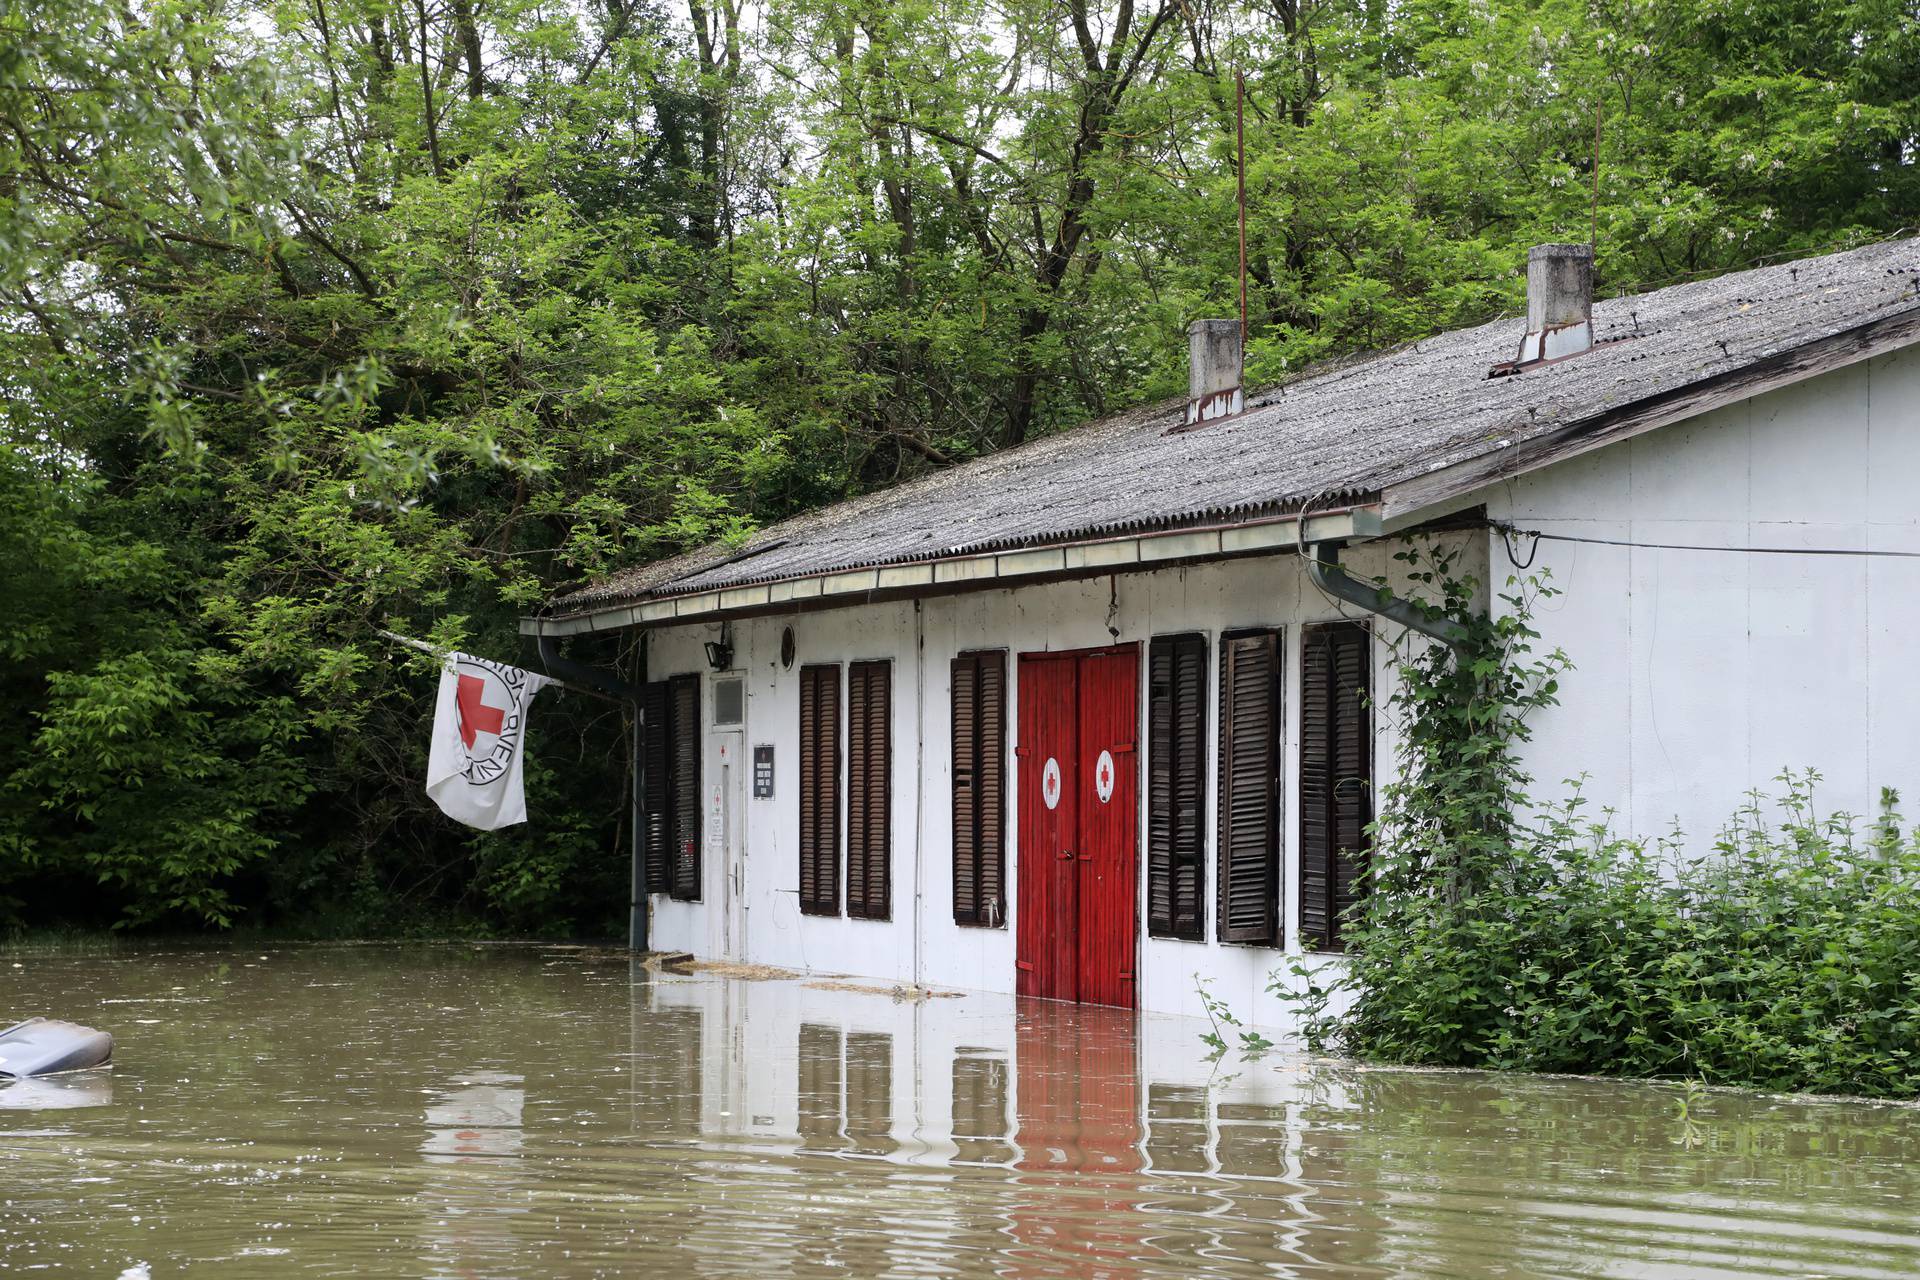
(1080,1208)
(1076,858)
(1078,1077)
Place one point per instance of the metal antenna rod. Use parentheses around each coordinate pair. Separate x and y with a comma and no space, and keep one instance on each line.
(1240,174)
(1593,232)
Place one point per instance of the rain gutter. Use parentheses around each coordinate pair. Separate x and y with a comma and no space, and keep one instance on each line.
(1327,574)
(595,678)
(938,575)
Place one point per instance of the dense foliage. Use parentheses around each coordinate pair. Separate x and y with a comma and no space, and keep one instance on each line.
(1785,955)
(322,316)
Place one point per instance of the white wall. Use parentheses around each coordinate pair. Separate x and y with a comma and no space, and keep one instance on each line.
(1699,675)
(923,945)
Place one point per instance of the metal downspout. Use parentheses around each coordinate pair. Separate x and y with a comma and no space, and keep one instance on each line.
(614,687)
(919,799)
(1327,574)
(640,897)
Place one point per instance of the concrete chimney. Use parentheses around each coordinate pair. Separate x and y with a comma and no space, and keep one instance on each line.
(1213,370)
(1559,302)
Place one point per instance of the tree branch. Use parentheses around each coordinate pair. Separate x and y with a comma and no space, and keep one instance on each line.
(318,237)
(943,135)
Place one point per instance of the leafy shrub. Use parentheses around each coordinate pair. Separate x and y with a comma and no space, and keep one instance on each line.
(1787,957)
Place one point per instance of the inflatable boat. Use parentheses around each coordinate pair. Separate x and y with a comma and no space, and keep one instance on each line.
(44,1046)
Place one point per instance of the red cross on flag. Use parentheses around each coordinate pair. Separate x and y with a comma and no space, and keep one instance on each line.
(474,767)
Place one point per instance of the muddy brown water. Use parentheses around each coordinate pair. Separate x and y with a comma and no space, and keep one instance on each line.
(491,1111)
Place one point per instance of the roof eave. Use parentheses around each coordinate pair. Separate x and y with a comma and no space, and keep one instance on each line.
(1410,498)
(1024,566)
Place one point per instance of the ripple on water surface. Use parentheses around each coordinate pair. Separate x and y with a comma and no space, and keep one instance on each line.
(465,1111)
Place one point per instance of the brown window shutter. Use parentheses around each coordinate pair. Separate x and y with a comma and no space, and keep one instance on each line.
(655,707)
(979,695)
(820,790)
(1336,776)
(1176,786)
(1316,789)
(1249,840)
(869,789)
(684,694)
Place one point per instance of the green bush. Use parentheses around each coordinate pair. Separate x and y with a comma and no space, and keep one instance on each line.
(1785,956)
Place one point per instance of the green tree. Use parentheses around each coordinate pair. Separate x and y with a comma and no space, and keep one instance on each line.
(327,316)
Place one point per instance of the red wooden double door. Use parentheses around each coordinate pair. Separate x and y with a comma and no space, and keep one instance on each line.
(1078,868)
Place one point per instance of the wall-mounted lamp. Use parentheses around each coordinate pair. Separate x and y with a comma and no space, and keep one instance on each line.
(720,652)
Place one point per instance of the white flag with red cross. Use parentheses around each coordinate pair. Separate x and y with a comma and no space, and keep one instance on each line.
(474,768)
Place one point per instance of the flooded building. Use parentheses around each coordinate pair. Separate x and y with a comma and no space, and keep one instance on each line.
(1101,717)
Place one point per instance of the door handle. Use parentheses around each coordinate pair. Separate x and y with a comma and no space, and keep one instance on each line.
(1066,855)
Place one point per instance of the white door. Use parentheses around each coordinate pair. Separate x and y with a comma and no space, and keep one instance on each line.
(725,853)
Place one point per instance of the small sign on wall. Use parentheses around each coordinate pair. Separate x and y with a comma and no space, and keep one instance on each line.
(763,771)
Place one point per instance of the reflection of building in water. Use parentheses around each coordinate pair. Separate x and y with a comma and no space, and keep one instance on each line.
(478,1118)
(475,1194)
(844,1093)
(982,1100)
(1074,1136)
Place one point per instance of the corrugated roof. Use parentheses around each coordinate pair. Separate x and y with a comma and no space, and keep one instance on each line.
(1340,434)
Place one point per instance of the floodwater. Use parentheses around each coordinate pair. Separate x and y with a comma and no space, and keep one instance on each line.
(495,1111)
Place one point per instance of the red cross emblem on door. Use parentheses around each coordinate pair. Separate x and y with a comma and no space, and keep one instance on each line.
(1103,777)
(1050,783)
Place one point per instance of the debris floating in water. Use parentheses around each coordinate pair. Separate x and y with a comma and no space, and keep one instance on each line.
(46,1046)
